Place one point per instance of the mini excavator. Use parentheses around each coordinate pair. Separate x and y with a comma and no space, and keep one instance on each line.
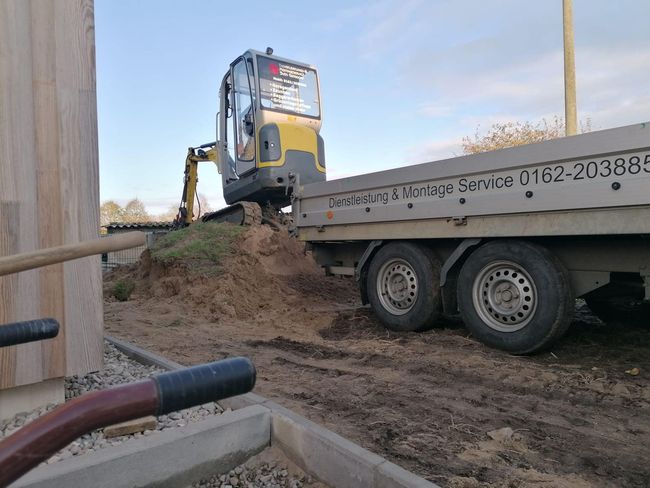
(268,139)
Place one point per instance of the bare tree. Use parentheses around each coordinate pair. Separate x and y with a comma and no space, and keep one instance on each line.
(135,212)
(110,212)
(508,134)
(205,205)
(169,215)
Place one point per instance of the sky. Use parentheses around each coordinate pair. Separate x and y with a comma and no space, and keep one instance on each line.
(402,81)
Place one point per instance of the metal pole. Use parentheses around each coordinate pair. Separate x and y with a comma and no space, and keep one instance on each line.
(570,111)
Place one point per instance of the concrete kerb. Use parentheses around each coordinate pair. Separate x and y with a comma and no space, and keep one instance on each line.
(176,457)
(318,451)
(143,356)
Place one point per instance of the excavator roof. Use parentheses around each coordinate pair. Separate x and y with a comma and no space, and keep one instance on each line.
(253,52)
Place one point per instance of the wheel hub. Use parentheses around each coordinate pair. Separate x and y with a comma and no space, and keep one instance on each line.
(504,296)
(397,286)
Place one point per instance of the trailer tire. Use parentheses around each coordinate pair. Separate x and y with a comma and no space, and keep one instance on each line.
(404,286)
(515,296)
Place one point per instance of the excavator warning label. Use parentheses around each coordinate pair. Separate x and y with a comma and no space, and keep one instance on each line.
(288,88)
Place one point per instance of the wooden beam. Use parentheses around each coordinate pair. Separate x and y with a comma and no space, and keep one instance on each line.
(49,183)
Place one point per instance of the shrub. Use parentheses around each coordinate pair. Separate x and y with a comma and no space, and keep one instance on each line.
(122,290)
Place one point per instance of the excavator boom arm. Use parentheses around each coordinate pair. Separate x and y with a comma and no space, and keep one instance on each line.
(195,155)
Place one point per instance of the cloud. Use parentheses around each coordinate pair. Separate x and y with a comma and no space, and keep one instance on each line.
(386,20)
(613,85)
(610,84)
(434,150)
(334,173)
(528,87)
(340,18)
(435,110)
(421,29)
(386,24)
(472,58)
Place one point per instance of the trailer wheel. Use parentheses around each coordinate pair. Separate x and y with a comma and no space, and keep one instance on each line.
(515,296)
(404,286)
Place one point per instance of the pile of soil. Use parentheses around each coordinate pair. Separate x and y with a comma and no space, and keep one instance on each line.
(265,273)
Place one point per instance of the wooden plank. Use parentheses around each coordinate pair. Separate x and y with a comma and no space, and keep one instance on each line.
(29,358)
(18,183)
(79,161)
(8,218)
(8,199)
(131,427)
(50,221)
(49,192)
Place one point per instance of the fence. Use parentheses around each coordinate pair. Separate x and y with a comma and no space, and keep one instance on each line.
(129,256)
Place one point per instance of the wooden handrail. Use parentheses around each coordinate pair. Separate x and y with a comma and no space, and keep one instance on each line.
(52,255)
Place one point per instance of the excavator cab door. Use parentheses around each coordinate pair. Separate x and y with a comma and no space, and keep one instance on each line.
(240,119)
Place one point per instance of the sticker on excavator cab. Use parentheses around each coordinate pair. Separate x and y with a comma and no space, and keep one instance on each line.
(288,88)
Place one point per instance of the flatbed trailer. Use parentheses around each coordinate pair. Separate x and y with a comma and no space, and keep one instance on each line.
(506,238)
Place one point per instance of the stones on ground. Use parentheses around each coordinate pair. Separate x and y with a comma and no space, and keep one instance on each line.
(118,369)
(620,389)
(265,475)
(501,435)
(53,459)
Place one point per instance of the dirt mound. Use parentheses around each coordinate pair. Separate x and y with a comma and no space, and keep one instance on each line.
(225,272)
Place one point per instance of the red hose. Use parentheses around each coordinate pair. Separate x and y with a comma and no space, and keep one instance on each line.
(46,435)
(164,393)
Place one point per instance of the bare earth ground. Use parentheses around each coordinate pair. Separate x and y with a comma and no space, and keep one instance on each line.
(430,401)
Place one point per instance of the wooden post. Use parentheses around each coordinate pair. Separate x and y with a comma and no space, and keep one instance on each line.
(49,185)
(570,110)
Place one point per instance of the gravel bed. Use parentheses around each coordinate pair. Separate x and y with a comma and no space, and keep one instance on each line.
(118,369)
(262,471)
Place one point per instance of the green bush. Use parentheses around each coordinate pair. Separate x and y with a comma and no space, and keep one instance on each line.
(122,290)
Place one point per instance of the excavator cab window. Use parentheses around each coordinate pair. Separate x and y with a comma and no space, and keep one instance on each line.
(244,112)
(230,130)
(288,88)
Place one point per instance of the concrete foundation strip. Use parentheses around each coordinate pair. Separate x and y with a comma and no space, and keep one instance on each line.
(184,455)
(173,458)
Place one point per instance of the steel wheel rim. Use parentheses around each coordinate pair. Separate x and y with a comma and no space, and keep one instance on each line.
(397,286)
(504,296)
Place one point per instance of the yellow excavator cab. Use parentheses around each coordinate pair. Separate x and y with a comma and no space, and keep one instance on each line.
(268,137)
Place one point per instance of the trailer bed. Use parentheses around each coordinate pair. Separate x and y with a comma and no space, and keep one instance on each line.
(592,184)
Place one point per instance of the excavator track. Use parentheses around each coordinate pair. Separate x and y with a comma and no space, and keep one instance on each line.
(240,213)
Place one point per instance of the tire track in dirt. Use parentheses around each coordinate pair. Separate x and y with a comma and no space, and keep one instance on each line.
(537,412)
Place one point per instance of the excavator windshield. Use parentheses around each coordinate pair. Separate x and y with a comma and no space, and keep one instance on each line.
(288,88)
